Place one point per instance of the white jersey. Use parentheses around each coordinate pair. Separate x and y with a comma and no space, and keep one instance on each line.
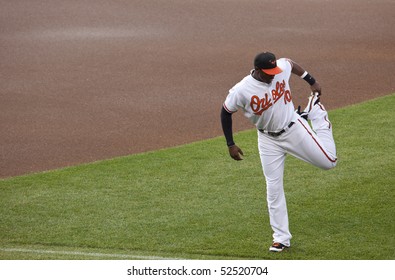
(267,106)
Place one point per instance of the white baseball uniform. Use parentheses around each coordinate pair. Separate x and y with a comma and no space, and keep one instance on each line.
(282,131)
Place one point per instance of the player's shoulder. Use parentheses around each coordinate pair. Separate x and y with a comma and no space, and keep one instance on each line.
(285,62)
(243,83)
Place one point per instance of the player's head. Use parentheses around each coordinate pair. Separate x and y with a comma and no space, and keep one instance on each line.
(266,62)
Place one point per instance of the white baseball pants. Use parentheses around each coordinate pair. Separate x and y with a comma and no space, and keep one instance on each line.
(316,147)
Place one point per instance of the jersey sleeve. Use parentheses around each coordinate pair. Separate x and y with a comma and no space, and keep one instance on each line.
(231,101)
(285,64)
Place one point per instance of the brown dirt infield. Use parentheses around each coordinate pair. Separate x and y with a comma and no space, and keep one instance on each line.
(88,80)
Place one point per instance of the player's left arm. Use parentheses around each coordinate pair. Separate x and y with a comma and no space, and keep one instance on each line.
(226,120)
(301,72)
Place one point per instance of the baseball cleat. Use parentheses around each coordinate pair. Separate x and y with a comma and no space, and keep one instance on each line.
(303,114)
(277,247)
(313,100)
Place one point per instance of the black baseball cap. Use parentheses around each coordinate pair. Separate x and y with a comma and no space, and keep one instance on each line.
(266,61)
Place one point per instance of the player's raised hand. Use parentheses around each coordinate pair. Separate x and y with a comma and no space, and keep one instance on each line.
(316,87)
(235,152)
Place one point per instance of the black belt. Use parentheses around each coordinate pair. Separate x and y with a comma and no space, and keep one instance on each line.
(276,134)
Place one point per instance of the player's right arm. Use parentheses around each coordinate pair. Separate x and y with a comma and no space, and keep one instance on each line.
(226,120)
(301,72)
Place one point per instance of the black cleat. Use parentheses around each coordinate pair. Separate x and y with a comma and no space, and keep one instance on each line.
(277,247)
(303,114)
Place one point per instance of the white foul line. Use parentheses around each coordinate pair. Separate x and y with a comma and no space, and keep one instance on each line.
(88,254)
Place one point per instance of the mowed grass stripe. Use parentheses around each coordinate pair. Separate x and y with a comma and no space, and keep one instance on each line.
(195,200)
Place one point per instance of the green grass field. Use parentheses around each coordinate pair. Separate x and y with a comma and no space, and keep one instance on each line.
(195,202)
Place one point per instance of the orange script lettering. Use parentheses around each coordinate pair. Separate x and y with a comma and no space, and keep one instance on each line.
(280,91)
(258,105)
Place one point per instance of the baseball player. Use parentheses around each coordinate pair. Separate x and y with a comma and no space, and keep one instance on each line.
(265,98)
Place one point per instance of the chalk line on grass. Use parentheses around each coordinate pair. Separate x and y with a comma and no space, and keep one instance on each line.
(87,254)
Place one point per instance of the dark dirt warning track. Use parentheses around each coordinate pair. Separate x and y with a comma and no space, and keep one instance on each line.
(89,80)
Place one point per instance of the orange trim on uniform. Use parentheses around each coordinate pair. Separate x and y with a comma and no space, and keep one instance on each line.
(290,62)
(329,123)
(322,149)
(227,110)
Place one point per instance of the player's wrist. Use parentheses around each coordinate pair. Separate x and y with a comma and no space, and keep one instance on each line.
(308,78)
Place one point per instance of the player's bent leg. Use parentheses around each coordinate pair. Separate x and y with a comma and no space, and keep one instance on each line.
(317,149)
(323,127)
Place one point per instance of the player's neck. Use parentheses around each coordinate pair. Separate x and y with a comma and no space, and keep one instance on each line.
(256,75)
